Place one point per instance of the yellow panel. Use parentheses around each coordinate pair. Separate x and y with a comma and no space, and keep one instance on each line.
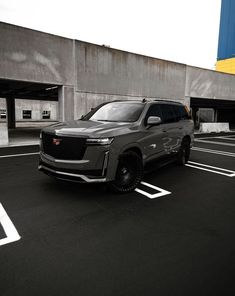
(227,66)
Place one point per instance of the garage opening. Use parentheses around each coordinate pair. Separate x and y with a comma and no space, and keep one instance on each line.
(213,110)
(25,108)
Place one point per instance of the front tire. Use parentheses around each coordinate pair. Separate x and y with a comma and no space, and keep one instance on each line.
(129,172)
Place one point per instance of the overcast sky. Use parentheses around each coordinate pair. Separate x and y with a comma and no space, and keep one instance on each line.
(184,31)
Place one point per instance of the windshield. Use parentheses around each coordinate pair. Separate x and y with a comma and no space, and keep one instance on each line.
(116,112)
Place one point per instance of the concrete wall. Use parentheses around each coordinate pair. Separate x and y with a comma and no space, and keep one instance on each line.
(206,115)
(3,106)
(36,106)
(201,83)
(34,56)
(105,73)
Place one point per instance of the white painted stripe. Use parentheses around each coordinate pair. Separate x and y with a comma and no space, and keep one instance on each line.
(10,145)
(212,169)
(161,192)
(224,153)
(226,138)
(209,166)
(11,233)
(216,137)
(214,142)
(16,155)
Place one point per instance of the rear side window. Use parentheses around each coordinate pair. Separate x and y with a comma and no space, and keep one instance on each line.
(174,113)
(184,113)
(168,113)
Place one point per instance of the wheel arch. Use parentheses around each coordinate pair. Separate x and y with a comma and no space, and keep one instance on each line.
(134,149)
(187,138)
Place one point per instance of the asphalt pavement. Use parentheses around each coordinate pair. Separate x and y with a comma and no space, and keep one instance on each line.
(175,236)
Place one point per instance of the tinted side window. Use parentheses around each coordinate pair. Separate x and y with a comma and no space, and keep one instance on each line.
(178,113)
(154,110)
(184,113)
(168,113)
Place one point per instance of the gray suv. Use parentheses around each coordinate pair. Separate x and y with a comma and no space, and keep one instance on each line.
(116,141)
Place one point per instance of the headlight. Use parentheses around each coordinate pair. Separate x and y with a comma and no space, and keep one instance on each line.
(100,141)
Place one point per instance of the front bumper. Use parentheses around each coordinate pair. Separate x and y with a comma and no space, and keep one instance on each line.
(69,176)
(73,170)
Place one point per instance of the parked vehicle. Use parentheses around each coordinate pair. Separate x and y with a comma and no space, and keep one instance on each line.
(115,142)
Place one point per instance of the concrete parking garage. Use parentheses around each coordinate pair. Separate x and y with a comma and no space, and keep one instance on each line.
(85,75)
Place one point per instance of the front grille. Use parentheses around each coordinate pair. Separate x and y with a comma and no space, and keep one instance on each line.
(68,148)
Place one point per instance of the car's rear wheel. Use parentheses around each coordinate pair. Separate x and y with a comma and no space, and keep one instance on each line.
(184,152)
(129,172)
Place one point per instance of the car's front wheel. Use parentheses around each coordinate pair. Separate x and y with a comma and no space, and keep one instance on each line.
(129,172)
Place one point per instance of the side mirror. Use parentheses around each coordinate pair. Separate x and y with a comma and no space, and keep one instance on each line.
(154,120)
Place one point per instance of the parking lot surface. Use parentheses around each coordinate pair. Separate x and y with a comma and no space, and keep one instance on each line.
(175,235)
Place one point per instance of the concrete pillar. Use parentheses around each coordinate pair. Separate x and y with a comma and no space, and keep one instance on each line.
(11,113)
(194,115)
(3,134)
(187,101)
(215,115)
(66,103)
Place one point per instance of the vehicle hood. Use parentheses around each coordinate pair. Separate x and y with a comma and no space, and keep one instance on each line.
(88,128)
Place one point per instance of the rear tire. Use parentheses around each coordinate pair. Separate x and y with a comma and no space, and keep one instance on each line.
(184,153)
(129,172)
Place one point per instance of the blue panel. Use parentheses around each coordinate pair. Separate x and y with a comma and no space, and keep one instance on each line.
(226,46)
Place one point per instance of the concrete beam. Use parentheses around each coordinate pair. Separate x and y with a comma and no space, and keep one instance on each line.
(108,71)
(208,84)
(29,55)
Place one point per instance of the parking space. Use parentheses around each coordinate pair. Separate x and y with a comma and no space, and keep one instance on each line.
(173,235)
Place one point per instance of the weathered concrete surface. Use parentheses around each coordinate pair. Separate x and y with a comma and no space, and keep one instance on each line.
(3,134)
(103,70)
(202,83)
(34,56)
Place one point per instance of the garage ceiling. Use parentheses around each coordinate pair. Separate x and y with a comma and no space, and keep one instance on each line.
(28,90)
(212,103)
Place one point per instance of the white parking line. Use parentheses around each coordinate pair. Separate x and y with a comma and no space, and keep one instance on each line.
(11,233)
(226,138)
(219,152)
(214,142)
(212,169)
(160,191)
(16,155)
(217,137)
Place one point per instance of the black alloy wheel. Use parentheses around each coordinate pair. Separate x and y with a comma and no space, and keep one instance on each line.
(129,172)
